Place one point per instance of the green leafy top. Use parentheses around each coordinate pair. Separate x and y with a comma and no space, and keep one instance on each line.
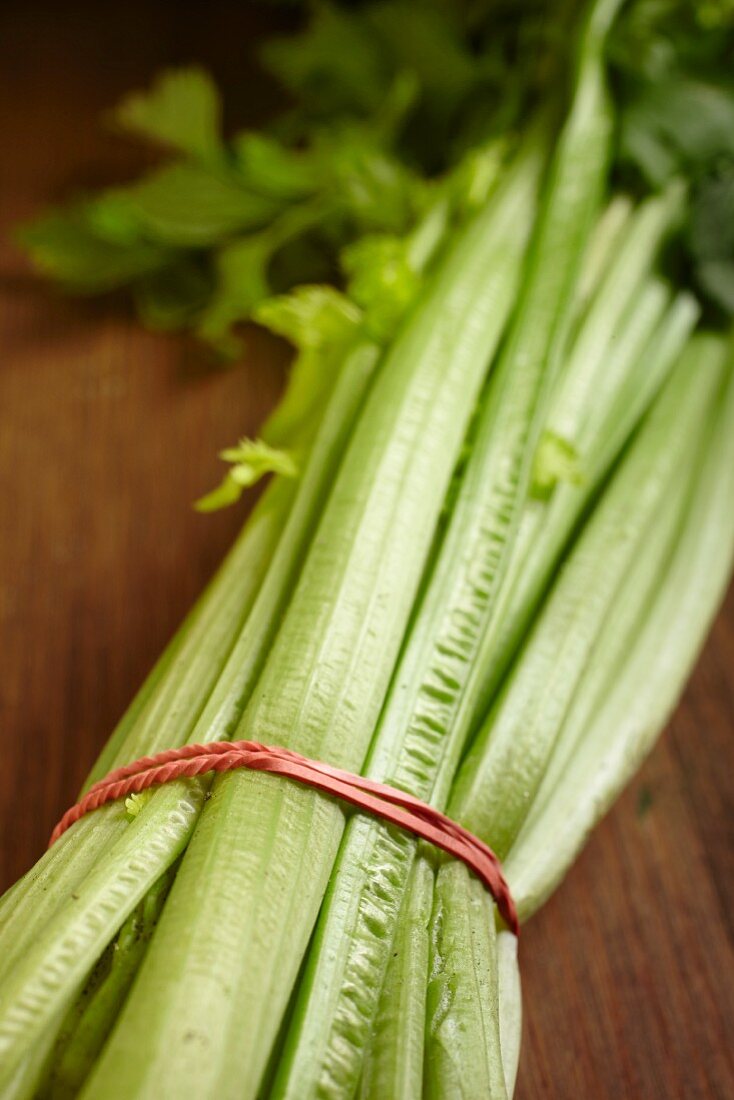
(465,69)
(220,226)
(403,114)
(388,96)
(675,83)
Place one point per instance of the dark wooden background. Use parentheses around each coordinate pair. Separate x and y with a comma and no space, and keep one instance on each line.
(106,436)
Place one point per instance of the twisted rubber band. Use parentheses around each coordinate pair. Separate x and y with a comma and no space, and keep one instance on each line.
(385,802)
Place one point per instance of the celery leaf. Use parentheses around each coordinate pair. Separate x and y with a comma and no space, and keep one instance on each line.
(251,460)
(67,246)
(188,205)
(241,282)
(181,111)
(381,281)
(271,168)
(323,325)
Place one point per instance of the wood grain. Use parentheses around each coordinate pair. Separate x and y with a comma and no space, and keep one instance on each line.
(108,433)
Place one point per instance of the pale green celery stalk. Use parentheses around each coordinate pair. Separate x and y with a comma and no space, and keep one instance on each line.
(464,1041)
(463,942)
(614,641)
(32,1077)
(52,963)
(652,222)
(622,623)
(209,999)
(83,1034)
(510,1006)
(631,704)
(224,706)
(596,359)
(640,387)
(603,244)
(346,965)
(552,510)
(425,721)
(169,712)
(500,776)
(54,875)
(547,524)
(615,359)
(22,1083)
(394,1059)
(247,560)
(402,1009)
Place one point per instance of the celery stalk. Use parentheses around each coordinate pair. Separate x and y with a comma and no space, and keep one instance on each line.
(206,639)
(501,774)
(548,524)
(82,1037)
(602,246)
(420,718)
(393,1064)
(652,222)
(463,1053)
(487,587)
(425,720)
(620,710)
(320,693)
(510,1006)
(86,915)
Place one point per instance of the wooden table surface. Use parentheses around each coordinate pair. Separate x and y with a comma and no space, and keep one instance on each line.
(107,434)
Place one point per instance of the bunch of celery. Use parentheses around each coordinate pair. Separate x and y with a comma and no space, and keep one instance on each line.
(501,519)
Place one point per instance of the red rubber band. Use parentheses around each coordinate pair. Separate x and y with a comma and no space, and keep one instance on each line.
(379,799)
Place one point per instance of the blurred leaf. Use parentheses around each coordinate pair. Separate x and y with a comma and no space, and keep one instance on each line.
(677,125)
(376,191)
(430,41)
(381,281)
(349,62)
(241,283)
(334,66)
(711,235)
(182,110)
(654,38)
(716,278)
(270,168)
(65,246)
(712,222)
(189,206)
(311,317)
(109,215)
(171,298)
(675,82)
(673,61)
